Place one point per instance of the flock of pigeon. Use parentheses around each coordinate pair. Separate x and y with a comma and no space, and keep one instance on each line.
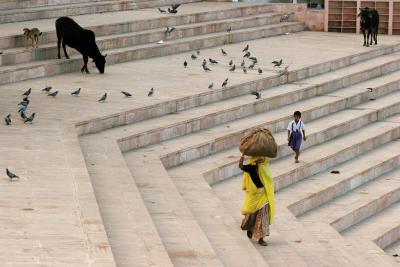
(23,105)
(232,67)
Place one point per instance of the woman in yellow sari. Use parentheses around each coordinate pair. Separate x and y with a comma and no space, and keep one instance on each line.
(258,205)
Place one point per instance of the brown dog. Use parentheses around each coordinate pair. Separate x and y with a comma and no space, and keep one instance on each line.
(32,34)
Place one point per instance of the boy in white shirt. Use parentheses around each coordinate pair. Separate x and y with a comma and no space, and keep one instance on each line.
(296,133)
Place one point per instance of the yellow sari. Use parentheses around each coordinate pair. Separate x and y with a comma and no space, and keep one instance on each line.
(256,198)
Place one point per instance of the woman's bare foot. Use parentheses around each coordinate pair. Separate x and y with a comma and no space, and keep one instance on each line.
(262,242)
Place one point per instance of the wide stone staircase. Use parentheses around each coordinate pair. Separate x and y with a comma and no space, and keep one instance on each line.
(165,176)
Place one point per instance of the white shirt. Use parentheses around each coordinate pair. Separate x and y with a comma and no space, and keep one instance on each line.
(296,127)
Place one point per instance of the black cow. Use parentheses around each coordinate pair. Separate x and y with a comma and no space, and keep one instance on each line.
(70,33)
(369,23)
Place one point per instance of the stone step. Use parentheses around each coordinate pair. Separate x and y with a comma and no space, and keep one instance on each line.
(169,126)
(324,187)
(54,11)
(13,4)
(181,233)
(380,227)
(290,243)
(51,67)
(360,203)
(211,96)
(134,21)
(394,251)
(131,232)
(224,164)
(49,51)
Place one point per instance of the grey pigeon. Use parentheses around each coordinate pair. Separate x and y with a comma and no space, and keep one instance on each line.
(257,94)
(193,56)
(162,10)
(23,115)
(242,64)
(223,52)
(277,63)
(335,172)
(11,175)
(27,92)
(22,109)
(126,94)
(30,118)
(24,102)
(172,11)
(370,89)
(231,62)
(198,52)
(244,70)
(205,68)
(225,83)
(212,61)
(47,89)
(233,68)
(285,17)
(204,62)
(247,54)
(260,71)
(246,48)
(185,64)
(103,98)
(7,119)
(252,65)
(229,29)
(284,71)
(211,85)
(254,59)
(169,29)
(53,94)
(151,92)
(77,92)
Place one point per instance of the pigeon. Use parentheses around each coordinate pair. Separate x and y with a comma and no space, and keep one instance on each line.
(151,92)
(193,56)
(231,62)
(103,98)
(11,175)
(247,54)
(335,172)
(246,48)
(205,68)
(169,29)
(172,11)
(126,94)
(369,89)
(212,61)
(260,71)
(54,94)
(28,92)
(23,116)
(211,85)
(162,10)
(254,59)
(233,68)
(284,71)
(24,102)
(30,118)
(7,119)
(277,63)
(185,64)
(22,109)
(242,64)
(204,62)
(244,70)
(257,94)
(229,29)
(252,65)
(223,52)
(77,92)
(47,89)
(198,52)
(285,17)
(225,83)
